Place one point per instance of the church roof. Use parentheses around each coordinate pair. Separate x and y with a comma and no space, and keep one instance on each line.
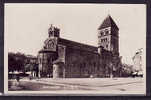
(108,22)
(77,45)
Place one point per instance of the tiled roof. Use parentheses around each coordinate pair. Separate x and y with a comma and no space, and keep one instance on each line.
(77,45)
(108,22)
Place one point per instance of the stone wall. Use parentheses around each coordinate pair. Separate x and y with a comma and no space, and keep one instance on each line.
(80,60)
(80,63)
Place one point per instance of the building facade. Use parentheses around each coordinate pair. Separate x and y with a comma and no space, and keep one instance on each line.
(137,60)
(62,58)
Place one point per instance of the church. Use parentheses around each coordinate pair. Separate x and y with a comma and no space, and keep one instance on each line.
(62,58)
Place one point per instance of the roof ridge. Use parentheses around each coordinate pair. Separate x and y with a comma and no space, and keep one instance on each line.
(78,42)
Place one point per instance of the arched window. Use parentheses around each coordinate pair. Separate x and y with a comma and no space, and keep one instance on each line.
(101,33)
(106,46)
(107,32)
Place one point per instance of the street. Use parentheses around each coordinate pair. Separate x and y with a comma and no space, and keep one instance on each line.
(94,85)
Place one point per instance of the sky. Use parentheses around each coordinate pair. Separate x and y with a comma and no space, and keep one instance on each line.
(26,25)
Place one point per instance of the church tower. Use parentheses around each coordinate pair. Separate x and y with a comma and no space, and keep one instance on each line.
(51,42)
(108,36)
(53,31)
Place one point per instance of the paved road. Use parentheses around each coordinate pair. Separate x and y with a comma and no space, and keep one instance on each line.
(101,85)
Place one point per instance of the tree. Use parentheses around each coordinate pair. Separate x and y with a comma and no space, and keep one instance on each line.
(20,58)
(11,62)
(16,61)
(127,70)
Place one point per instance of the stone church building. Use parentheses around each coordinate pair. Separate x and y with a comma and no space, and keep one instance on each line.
(62,58)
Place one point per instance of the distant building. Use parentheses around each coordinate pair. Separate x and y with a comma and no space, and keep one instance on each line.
(32,65)
(137,59)
(62,58)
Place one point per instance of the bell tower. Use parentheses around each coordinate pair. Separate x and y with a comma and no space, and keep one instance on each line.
(108,36)
(51,42)
(53,31)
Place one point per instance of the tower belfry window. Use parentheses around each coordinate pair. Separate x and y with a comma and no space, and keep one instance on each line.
(101,33)
(107,32)
(101,40)
(105,39)
(106,46)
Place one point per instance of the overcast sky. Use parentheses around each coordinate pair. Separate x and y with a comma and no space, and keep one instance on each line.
(26,25)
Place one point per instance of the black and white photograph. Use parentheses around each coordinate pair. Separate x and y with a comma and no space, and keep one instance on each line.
(75,49)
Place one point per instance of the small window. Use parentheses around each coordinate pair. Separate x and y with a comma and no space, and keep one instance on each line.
(107,32)
(106,46)
(106,39)
(101,33)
